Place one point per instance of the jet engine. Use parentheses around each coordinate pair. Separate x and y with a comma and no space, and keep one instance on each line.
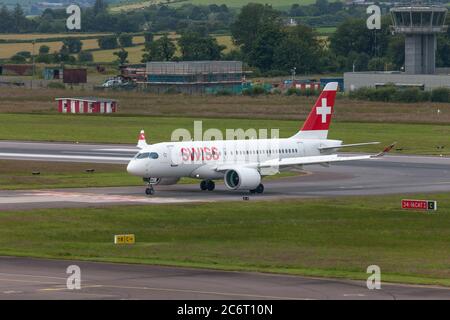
(242,179)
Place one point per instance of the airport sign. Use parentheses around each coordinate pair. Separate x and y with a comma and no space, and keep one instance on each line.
(124,239)
(425,205)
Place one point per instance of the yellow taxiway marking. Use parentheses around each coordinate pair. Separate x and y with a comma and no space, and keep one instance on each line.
(26,281)
(206,292)
(29,275)
(175,290)
(65,288)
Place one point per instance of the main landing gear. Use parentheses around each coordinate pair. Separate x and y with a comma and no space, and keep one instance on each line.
(259,189)
(207,185)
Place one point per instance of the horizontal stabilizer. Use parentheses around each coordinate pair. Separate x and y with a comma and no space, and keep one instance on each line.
(348,145)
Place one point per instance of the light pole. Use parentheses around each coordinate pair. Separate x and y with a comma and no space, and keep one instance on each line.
(32,77)
(293,75)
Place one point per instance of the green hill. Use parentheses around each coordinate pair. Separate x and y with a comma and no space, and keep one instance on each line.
(133,4)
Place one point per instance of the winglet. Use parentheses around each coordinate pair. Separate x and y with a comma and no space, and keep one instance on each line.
(141,140)
(386,150)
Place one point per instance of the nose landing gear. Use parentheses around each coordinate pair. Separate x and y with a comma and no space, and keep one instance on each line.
(207,185)
(149,190)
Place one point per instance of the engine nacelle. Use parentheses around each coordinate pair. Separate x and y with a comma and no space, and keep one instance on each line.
(163,181)
(242,179)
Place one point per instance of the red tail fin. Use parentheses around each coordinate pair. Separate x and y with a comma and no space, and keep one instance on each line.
(141,140)
(318,122)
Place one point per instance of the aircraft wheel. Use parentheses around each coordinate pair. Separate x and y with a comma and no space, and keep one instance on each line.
(211,185)
(260,188)
(204,185)
(149,191)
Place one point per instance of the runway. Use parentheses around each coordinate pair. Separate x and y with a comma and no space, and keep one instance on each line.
(26,278)
(387,175)
(69,152)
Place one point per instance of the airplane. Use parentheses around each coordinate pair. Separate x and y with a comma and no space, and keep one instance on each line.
(243,163)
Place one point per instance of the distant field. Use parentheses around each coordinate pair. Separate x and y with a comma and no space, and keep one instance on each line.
(412,138)
(241,3)
(9,49)
(134,54)
(226,41)
(31,36)
(280,107)
(133,5)
(335,237)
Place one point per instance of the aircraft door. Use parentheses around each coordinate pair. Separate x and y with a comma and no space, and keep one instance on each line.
(301,149)
(171,157)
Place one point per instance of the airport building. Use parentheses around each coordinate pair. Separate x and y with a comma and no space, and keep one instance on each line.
(420,26)
(193,77)
(86,105)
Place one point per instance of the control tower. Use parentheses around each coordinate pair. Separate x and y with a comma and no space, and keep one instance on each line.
(419,24)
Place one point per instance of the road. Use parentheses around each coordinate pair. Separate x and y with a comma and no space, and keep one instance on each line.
(387,175)
(26,278)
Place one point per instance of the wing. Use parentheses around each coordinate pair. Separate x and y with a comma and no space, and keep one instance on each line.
(286,162)
(295,161)
(310,160)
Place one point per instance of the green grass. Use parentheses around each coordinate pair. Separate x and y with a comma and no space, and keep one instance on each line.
(74,180)
(15,175)
(413,138)
(327,237)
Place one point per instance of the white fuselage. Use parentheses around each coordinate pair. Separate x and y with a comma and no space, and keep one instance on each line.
(200,159)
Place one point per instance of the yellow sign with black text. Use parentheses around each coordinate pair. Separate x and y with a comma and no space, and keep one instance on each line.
(124,239)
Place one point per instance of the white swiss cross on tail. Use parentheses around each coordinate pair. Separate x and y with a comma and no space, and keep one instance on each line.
(318,122)
(324,110)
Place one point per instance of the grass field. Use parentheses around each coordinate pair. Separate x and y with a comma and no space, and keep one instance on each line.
(18,175)
(15,175)
(328,237)
(281,107)
(412,138)
(35,36)
(135,53)
(133,5)
(9,49)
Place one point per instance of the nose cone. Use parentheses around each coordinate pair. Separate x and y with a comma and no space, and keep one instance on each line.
(135,168)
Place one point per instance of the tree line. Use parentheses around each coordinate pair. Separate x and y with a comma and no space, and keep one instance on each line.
(155,18)
(161,17)
(270,46)
(274,48)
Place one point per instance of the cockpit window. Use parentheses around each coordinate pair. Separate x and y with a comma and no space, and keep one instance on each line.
(142,155)
(145,155)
